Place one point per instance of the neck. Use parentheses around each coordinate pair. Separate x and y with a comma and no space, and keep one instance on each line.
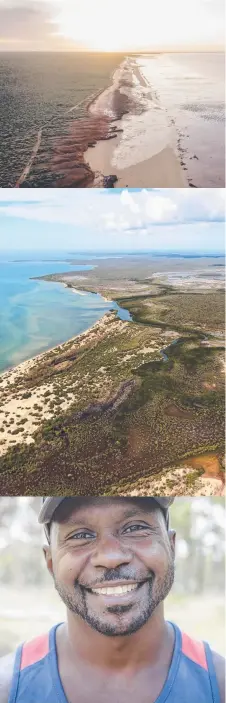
(120,652)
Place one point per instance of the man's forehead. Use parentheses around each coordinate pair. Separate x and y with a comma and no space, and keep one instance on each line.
(77,509)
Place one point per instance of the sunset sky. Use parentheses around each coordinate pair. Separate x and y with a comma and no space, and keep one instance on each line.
(112,25)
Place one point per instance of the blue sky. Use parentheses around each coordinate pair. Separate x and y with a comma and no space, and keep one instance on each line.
(39,25)
(115,220)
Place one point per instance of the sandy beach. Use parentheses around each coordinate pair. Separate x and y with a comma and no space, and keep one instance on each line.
(161,170)
(18,409)
(171,133)
(129,98)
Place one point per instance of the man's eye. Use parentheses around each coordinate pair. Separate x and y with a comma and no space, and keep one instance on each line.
(82,535)
(136,528)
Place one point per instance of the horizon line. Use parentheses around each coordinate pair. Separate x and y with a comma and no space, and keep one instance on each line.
(135,52)
(121,251)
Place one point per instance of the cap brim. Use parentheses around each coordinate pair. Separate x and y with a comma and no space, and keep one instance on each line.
(48,508)
(51,504)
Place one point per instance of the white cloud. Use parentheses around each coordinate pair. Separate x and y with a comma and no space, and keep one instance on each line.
(127,199)
(160,208)
(113,211)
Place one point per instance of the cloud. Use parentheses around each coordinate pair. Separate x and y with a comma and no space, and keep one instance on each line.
(88,219)
(160,208)
(140,213)
(127,199)
(28,24)
(24,20)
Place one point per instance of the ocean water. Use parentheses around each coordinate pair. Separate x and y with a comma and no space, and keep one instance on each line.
(183,98)
(39,90)
(37,315)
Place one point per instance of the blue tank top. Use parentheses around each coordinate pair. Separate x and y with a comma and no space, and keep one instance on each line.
(191,676)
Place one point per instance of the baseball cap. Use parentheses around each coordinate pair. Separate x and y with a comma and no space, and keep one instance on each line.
(50,505)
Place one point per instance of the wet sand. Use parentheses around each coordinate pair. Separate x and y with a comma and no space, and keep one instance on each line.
(162,168)
(160,171)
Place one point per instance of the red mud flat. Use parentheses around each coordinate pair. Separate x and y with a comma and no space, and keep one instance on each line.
(67,160)
(65,155)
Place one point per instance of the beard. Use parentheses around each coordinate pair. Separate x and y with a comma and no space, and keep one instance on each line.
(118,620)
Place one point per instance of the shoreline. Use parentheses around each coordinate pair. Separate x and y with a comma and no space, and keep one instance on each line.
(17,403)
(84,156)
(141,145)
(38,357)
(81,292)
(161,169)
(38,389)
(169,478)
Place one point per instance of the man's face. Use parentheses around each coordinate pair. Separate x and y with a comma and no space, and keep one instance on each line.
(112,561)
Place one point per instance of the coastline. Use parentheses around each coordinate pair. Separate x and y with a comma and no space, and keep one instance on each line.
(149,139)
(12,380)
(162,168)
(39,389)
(171,480)
(22,366)
(90,152)
(77,291)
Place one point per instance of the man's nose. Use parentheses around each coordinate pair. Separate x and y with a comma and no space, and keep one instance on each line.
(110,553)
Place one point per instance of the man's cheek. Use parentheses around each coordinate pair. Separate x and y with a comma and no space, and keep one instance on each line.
(64,570)
(156,556)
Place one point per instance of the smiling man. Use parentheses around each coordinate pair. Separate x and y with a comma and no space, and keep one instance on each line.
(112,561)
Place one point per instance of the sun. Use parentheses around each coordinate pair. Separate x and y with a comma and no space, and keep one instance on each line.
(99,34)
(124,25)
(103,25)
(95,39)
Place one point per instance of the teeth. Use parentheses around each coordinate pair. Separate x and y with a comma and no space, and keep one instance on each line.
(115,590)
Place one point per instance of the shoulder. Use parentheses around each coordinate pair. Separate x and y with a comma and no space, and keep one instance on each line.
(219,665)
(6,676)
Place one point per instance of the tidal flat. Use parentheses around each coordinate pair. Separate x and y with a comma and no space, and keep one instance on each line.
(130,406)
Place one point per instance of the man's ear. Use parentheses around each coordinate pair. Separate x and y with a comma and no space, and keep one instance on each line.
(172,539)
(48,558)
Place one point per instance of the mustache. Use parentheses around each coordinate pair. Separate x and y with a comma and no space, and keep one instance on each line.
(119,574)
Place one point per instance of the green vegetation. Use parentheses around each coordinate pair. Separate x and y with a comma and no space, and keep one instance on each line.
(139,396)
(180,311)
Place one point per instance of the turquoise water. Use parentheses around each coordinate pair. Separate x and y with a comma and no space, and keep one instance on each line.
(36,315)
